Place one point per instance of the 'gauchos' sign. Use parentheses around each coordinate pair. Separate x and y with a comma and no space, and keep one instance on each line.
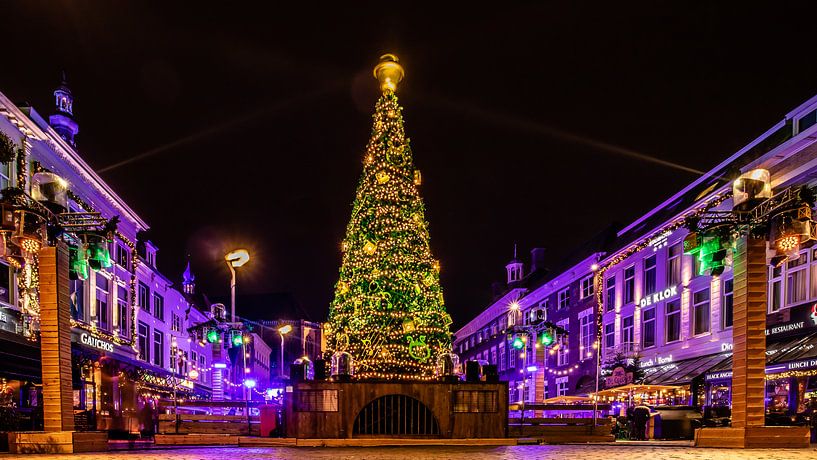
(671,291)
(95,342)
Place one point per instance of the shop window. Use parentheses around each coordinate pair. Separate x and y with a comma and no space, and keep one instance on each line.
(5,284)
(674,264)
(564,298)
(158,307)
(672,320)
(775,289)
(158,349)
(727,303)
(587,287)
(700,312)
(143,341)
(144,297)
(629,285)
(76,298)
(611,293)
(561,386)
(648,328)
(124,311)
(102,315)
(649,275)
(610,336)
(627,334)
(796,280)
(586,333)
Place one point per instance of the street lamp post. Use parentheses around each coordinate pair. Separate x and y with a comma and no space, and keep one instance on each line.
(283,330)
(234,260)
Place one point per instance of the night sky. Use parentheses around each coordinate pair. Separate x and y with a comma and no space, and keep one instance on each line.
(248,123)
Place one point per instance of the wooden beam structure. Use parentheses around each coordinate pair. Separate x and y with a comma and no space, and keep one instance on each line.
(55,339)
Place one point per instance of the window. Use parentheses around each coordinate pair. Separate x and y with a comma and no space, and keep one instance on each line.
(5,284)
(158,306)
(813,273)
(502,357)
(102,301)
(202,367)
(649,275)
(728,302)
(673,320)
(648,328)
(561,386)
(122,256)
(796,279)
(144,346)
(611,293)
(674,264)
(609,336)
(564,298)
(479,337)
(627,333)
(176,324)
(629,284)
(122,305)
(158,349)
(562,357)
(586,333)
(77,299)
(700,312)
(493,355)
(511,357)
(775,289)
(144,297)
(587,287)
(5,173)
(475,401)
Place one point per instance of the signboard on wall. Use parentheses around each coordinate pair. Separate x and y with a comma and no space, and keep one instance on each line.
(791,320)
(619,377)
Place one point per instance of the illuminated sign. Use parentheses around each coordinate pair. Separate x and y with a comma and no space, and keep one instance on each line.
(786,328)
(718,375)
(658,361)
(659,241)
(658,296)
(726,346)
(95,342)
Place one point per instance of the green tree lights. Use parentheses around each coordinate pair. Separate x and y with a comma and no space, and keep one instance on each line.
(388,311)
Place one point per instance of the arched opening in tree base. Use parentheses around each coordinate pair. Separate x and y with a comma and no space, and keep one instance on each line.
(396,415)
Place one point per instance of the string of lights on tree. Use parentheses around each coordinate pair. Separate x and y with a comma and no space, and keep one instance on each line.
(388,311)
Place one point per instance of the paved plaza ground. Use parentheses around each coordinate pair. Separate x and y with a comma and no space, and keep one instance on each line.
(561,452)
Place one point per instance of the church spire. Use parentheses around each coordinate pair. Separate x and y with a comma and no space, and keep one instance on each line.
(63,121)
(188,280)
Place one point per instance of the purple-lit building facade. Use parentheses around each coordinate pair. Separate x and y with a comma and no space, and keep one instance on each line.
(657,313)
(130,343)
(657,306)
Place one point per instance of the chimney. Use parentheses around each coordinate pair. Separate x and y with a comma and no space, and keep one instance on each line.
(537,259)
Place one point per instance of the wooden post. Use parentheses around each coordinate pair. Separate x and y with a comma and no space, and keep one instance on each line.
(749,333)
(55,339)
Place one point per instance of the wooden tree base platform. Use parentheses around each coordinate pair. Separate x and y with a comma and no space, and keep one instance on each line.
(791,437)
(57,442)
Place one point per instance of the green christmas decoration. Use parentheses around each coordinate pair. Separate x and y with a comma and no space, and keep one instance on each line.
(388,310)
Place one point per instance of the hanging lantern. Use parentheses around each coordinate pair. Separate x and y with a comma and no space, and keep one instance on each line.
(25,235)
(750,189)
(51,190)
(98,255)
(212,335)
(77,264)
(790,232)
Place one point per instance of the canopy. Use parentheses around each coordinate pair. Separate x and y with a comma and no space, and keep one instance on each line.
(635,388)
(568,400)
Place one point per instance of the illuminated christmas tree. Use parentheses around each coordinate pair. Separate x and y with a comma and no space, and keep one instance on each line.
(388,311)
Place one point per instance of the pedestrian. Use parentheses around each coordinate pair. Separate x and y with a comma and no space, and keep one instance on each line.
(641,414)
